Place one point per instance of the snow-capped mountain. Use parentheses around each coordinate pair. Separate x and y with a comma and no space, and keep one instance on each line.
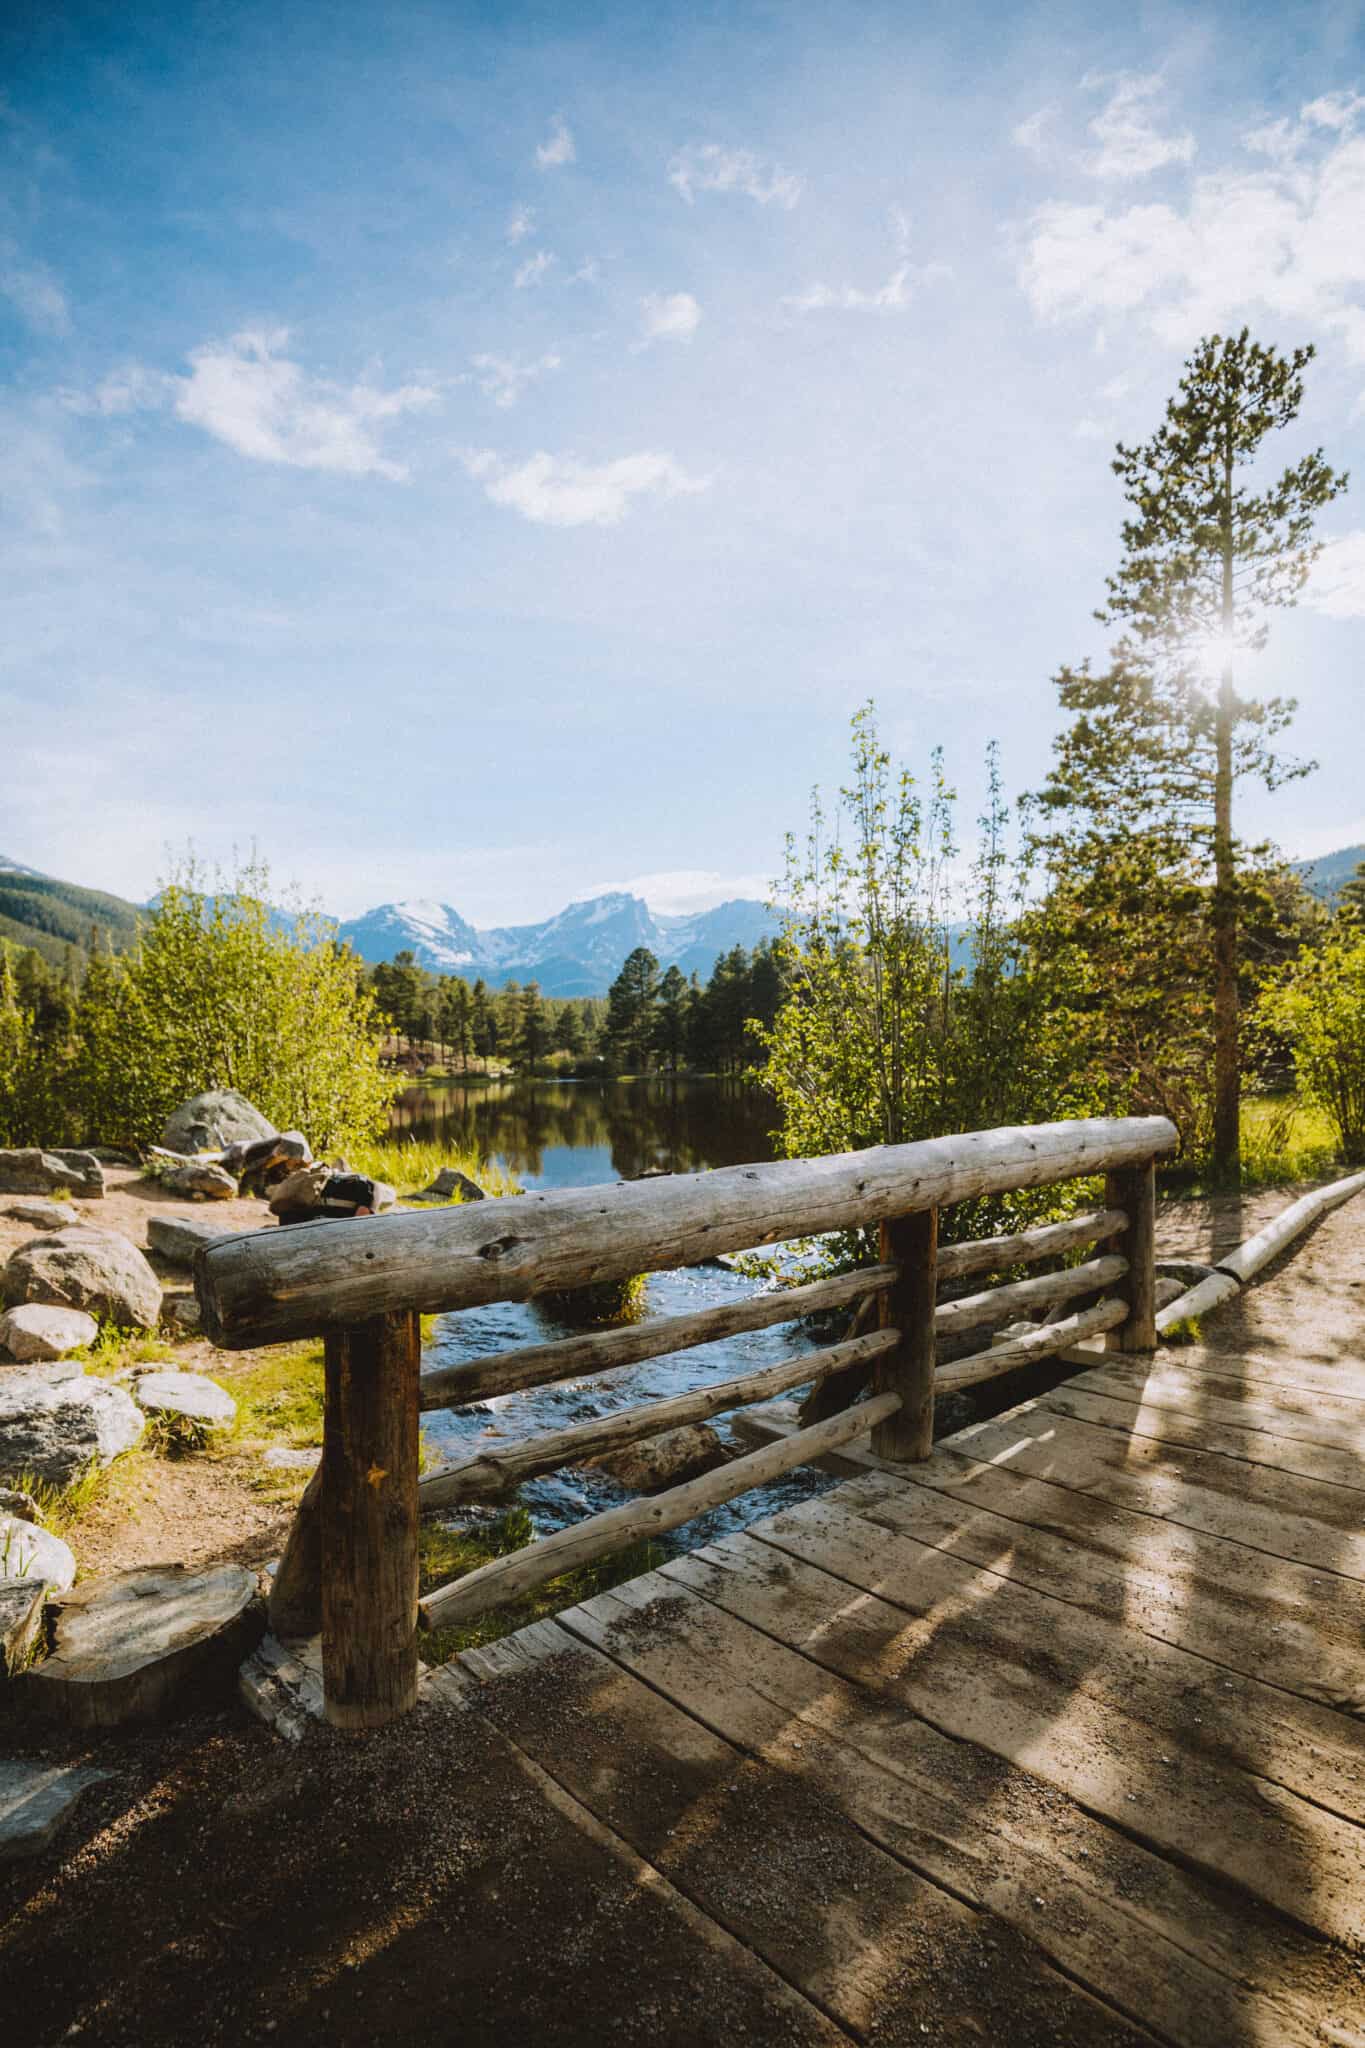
(577,953)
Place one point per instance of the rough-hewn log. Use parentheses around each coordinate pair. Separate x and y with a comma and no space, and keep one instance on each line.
(1259,1250)
(1133,1189)
(369,1519)
(1040,1343)
(272,1285)
(506,1578)
(576,1358)
(998,1304)
(488,1473)
(911,1242)
(295,1603)
(1026,1247)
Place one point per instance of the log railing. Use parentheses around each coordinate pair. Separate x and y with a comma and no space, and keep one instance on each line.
(350,1566)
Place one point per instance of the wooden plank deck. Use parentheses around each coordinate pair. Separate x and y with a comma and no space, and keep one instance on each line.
(1056,1737)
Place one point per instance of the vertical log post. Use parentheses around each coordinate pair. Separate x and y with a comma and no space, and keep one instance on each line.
(1134,1191)
(370,1520)
(912,1241)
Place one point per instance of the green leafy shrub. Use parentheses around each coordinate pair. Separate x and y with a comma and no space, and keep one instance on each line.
(1317,1004)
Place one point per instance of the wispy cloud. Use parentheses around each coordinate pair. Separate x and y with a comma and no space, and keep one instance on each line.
(556,490)
(1131,145)
(133,388)
(34,293)
(710,167)
(558,147)
(892,297)
(1337,584)
(521,224)
(533,270)
(669,316)
(503,380)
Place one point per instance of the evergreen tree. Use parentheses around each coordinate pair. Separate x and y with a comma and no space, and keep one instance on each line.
(483,1021)
(569,1035)
(670,1024)
(1144,775)
(630,1009)
(533,1035)
(1351,901)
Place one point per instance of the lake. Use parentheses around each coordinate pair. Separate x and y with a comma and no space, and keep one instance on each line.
(585,1134)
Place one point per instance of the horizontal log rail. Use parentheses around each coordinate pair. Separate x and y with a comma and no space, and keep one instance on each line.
(269,1287)
(352,1556)
(507,1578)
(487,1473)
(577,1358)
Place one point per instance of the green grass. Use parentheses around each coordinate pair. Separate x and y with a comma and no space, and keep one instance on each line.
(411,1164)
(447,1554)
(59,1509)
(1285,1140)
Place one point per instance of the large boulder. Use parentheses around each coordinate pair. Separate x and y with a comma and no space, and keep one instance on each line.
(28,1552)
(34,1172)
(214,1120)
(188,1399)
(666,1460)
(55,1428)
(96,1270)
(34,1331)
(142,1645)
(180,1238)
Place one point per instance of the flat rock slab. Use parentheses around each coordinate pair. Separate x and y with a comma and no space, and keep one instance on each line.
(186,1397)
(180,1238)
(285,1458)
(35,1800)
(28,1552)
(147,1644)
(96,1270)
(30,1171)
(281,1684)
(56,1426)
(38,1331)
(41,1215)
(21,1618)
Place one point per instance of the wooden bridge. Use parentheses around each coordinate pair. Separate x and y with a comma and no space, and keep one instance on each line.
(1050,1731)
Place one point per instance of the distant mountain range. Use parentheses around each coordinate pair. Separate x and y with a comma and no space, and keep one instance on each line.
(578,953)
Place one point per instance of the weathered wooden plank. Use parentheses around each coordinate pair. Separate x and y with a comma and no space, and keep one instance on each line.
(952,1604)
(1025,1247)
(270,1285)
(907,1369)
(1313,1418)
(1274,1512)
(1044,1342)
(1207,1432)
(1133,1189)
(487,1473)
(760,1844)
(1259,1250)
(1306,1863)
(575,1358)
(369,1520)
(508,1577)
(1341,1378)
(1020,1297)
(1166,1943)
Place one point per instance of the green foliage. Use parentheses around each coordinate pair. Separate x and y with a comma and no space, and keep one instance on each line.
(1317,1003)
(219,992)
(631,1002)
(603,1301)
(53,917)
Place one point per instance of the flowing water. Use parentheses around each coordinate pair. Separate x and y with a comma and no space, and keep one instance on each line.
(587,1134)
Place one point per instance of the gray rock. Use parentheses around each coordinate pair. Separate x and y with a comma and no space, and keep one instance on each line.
(260,1165)
(300,1191)
(284,1458)
(146,1644)
(449,1184)
(34,1172)
(36,1331)
(35,1800)
(54,1428)
(51,1370)
(21,1619)
(14,1501)
(214,1120)
(42,1215)
(185,1397)
(179,1238)
(201,1180)
(180,1312)
(384,1197)
(665,1460)
(28,1552)
(110,1155)
(91,1269)
(281,1684)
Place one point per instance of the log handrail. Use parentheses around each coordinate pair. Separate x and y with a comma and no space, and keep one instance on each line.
(362,1284)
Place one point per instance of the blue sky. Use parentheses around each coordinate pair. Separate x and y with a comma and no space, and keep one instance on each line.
(489,453)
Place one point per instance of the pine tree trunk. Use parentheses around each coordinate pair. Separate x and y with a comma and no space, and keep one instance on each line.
(1227,1079)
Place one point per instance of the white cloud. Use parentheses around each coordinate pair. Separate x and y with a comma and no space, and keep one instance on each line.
(555,490)
(134,388)
(1130,143)
(503,380)
(1282,140)
(1337,585)
(1284,237)
(1030,134)
(708,167)
(533,269)
(669,316)
(247,393)
(557,148)
(521,224)
(34,293)
(891,297)
(1334,110)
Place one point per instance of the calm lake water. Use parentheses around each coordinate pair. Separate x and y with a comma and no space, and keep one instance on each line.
(585,1134)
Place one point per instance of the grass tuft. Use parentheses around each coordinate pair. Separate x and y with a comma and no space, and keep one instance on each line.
(411,1164)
